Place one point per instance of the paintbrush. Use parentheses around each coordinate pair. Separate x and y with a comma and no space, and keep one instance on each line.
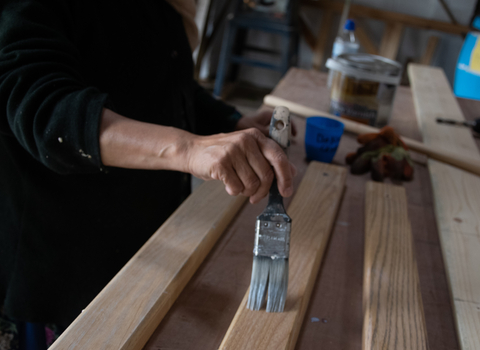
(272,235)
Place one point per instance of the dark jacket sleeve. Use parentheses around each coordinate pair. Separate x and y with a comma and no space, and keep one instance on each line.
(213,116)
(44,102)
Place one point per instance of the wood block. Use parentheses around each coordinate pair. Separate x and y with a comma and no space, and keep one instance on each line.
(456,197)
(313,211)
(392,303)
(127,311)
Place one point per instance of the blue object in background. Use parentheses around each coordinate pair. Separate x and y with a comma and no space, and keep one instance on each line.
(467,74)
(322,137)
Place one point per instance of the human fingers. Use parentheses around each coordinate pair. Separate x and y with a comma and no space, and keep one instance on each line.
(223,170)
(264,172)
(245,172)
(277,158)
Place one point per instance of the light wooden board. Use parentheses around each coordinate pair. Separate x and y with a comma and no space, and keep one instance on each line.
(456,195)
(313,211)
(130,307)
(392,303)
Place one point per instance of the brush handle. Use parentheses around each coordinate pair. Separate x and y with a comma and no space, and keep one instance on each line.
(280,127)
(280,132)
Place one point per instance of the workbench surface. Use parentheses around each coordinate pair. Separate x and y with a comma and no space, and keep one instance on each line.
(202,313)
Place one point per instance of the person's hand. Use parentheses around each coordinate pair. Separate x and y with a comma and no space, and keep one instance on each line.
(246,161)
(259,119)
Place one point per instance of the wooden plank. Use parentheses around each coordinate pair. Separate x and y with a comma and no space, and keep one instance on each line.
(130,307)
(389,16)
(392,303)
(321,43)
(429,50)
(313,211)
(391,40)
(456,195)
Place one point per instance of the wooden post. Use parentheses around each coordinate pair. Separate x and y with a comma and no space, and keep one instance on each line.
(429,50)
(321,42)
(391,40)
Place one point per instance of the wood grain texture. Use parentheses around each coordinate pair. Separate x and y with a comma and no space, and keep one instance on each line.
(313,211)
(130,307)
(201,315)
(392,303)
(456,196)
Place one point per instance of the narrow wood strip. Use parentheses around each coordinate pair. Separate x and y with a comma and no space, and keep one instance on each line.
(313,211)
(456,197)
(458,159)
(130,307)
(392,302)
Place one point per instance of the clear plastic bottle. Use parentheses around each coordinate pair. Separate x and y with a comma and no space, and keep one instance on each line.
(344,43)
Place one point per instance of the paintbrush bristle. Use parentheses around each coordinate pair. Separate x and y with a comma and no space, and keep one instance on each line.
(274,274)
(277,285)
(258,283)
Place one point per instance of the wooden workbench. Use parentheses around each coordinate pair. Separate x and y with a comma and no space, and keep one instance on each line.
(202,314)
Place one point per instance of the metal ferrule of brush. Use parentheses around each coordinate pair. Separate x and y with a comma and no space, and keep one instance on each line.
(272,231)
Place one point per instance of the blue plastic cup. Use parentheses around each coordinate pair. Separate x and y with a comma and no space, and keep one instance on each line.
(322,137)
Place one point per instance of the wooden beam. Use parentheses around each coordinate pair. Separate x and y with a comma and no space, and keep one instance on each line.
(429,50)
(389,16)
(392,302)
(458,159)
(313,211)
(391,40)
(456,197)
(127,311)
(364,39)
(322,37)
(306,32)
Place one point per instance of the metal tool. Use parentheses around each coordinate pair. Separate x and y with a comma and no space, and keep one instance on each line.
(473,124)
(272,235)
